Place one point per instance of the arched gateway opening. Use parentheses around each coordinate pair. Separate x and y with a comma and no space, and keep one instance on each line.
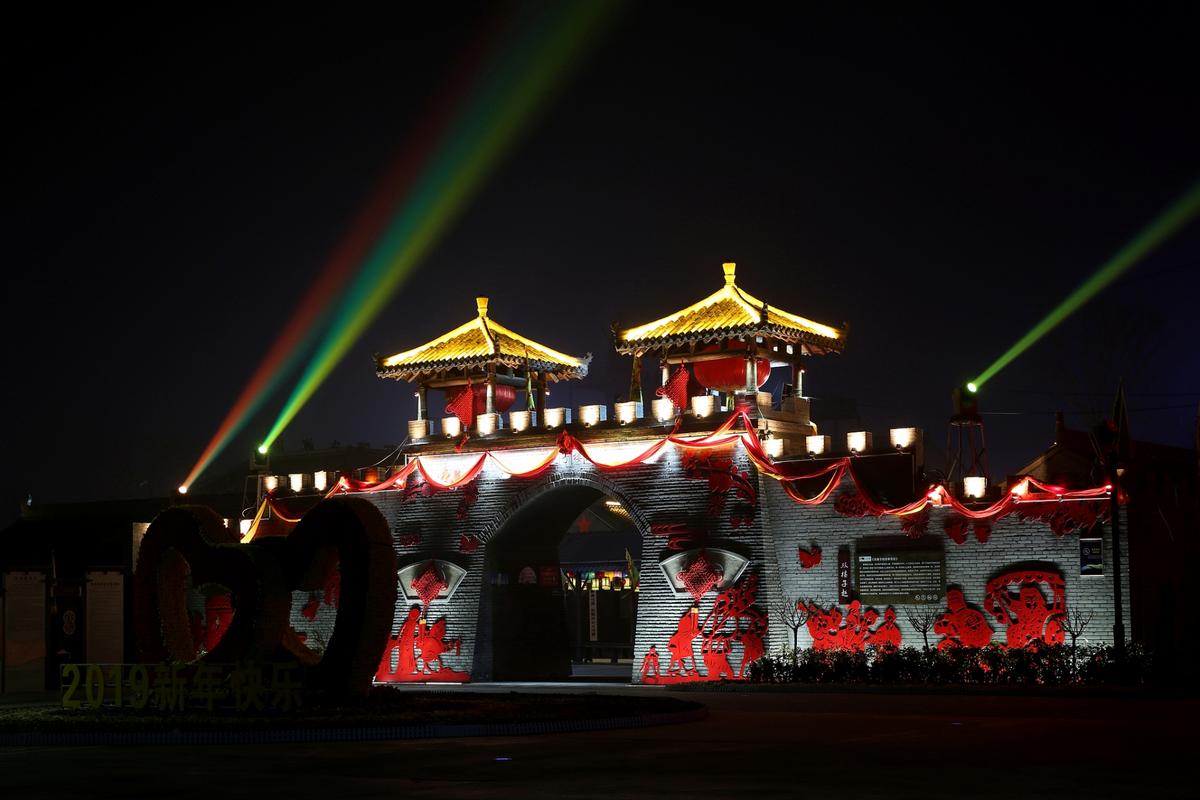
(558,601)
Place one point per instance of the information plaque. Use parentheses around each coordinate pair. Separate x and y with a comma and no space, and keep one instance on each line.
(898,573)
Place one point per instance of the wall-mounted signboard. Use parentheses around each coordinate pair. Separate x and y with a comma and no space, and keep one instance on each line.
(893,572)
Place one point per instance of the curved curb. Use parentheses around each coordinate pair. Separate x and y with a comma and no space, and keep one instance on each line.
(354,734)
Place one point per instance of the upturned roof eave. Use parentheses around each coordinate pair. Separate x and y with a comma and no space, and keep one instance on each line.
(707,335)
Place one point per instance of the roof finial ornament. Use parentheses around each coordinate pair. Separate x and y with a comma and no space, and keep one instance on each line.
(730,269)
(482,303)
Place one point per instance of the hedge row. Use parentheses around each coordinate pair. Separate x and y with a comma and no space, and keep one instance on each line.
(1052,665)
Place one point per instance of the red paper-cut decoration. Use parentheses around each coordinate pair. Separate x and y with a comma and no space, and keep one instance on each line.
(461,405)
(716,658)
(955,528)
(831,630)
(887,636)
(333,588)
(851,504)
(431,641)
(1064,518)
(1029,619)
(429,584)
(961,625)
(408,539)
(983,531)
(468,543)
(676,388)
(916,524)
(650,665)
(681,645)
(419,649)
(470,493)
(699,576)
(310,609)
(809,558)
(723,479)
(733,618)
(679,535)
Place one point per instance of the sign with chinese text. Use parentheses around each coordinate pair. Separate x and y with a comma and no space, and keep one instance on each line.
(843,575)
(241,688)
(891,572)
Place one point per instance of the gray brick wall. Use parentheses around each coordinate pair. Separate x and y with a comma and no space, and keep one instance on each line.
(659,492)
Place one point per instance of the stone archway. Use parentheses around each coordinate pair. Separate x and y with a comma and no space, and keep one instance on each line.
(522,631)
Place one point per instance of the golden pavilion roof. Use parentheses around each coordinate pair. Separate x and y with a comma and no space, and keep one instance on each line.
(479,343)
(729,313)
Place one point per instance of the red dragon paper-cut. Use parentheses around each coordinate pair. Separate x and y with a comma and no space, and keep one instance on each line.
(1029,619)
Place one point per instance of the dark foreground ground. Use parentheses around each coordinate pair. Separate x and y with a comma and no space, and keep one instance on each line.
(809,745)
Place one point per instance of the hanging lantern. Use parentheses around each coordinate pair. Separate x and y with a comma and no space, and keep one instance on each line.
(729,374)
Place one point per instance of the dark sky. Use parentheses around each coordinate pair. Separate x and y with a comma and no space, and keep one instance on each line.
(939,181)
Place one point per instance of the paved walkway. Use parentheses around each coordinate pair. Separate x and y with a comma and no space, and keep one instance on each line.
(752,744)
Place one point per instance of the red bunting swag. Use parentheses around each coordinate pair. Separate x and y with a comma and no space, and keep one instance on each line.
(797,478)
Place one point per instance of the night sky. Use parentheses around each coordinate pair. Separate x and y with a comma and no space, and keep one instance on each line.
(937,181)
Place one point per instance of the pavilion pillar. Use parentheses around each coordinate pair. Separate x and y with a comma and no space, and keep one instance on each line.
(666,373)
(751,374)
(539,402)
(490,407)
(421,403)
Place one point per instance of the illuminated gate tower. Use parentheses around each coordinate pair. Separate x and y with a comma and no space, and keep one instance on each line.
(743,513)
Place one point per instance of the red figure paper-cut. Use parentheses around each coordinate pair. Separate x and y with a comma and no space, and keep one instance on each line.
(887,636)
(1029,619)
(732,619)
(809,558)
(831,630)
(716,659)
(408,539)
(420,649)
(681,645)
(961,625)
(468,543)
(431,641)
(650,665)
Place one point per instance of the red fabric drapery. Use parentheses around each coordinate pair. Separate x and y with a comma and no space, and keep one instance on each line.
(739,428)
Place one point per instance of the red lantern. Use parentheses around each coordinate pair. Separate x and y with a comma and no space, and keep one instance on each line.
(503,399)
(729,374)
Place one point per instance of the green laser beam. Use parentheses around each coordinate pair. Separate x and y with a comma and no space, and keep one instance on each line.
(490,126)
(1162,228)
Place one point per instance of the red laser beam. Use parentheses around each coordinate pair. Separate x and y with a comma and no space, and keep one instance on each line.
(352,249)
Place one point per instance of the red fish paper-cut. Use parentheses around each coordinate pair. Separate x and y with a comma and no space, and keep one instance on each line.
(809,558)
